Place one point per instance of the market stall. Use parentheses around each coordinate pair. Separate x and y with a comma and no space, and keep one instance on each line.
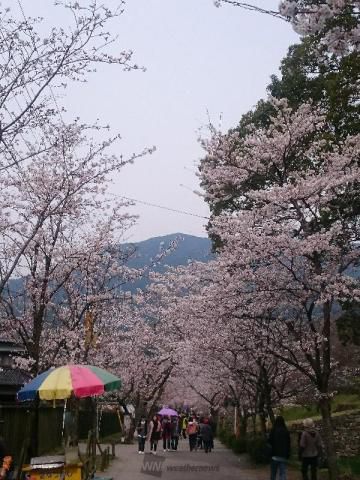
(64,383)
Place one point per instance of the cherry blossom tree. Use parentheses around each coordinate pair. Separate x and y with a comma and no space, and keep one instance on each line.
(36,66)
(69,260)
(288,251)
(335,22)
(217,358)
(139,354)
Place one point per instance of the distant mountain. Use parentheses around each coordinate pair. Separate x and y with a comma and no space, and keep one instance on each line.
(189,248)
(146,254)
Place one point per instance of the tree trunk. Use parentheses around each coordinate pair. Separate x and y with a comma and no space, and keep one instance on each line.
(215,418)
(236,421)
(325,408)
(262,413)
(262,417)
(243,424)
(254,423)
(131,431)
(271,414)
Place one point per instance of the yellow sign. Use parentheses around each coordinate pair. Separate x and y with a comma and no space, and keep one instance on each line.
(71,473)
(90,337)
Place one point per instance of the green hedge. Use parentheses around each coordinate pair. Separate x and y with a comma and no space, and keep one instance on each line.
(258,450)
(254,445)
(238,445)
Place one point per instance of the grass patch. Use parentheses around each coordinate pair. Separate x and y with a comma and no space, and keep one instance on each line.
(299,412)
(342,402)
(350,465)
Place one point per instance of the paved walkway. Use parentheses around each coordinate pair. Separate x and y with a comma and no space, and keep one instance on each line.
(221,463)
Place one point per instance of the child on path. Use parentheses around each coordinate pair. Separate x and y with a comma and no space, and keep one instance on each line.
(142,430)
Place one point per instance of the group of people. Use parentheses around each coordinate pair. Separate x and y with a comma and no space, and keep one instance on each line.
(199,431)
(309,448)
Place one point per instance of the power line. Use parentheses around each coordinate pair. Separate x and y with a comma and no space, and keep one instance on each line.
(255,8)
(149,204)
(162,207)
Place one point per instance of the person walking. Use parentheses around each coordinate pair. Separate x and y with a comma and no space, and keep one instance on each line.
(184,424)
(206,435)
(154,433)
(310,448)
(199,439)
(212,424)
(279,440)
(142,431)
(166,433)
(192,430)
(175,432)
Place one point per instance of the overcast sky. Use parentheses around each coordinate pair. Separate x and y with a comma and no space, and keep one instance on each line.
(200,60)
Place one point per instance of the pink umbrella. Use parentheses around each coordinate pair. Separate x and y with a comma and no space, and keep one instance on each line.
(168,412)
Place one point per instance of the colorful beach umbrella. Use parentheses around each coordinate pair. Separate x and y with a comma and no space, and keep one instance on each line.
(63,382)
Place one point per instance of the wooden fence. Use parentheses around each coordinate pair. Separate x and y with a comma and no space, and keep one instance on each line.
(17,423)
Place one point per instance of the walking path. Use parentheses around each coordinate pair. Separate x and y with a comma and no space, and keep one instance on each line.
(221,463)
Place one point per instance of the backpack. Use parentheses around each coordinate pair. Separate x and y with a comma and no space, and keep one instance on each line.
(192,428)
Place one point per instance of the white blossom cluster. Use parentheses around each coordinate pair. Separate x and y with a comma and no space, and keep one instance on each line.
(337,21)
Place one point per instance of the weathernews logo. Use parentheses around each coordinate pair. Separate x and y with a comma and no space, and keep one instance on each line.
(152,465)
(155,466)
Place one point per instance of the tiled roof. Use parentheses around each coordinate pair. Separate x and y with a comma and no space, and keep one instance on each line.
(10,347)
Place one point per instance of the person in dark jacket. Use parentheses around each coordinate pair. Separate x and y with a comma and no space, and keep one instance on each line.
(212,424)
(310,449)
(206,435)
(142,431)
(199,436)
(175,433)
(166,433)
(279,440)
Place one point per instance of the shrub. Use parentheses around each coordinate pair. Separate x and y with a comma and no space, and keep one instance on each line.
(350,465)
(224,436)
(239,445)
(258,450)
